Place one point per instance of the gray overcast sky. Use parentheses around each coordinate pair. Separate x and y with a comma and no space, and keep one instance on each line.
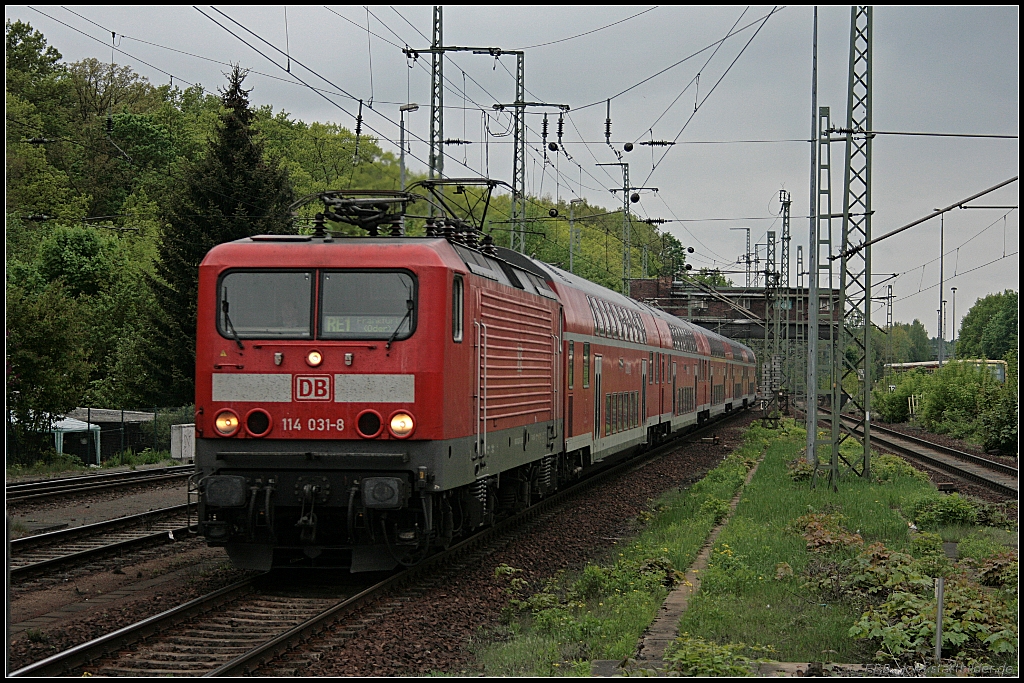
(949,69)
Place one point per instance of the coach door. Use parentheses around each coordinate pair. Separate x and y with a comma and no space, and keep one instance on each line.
(643,391)
(597,397)
(674,411)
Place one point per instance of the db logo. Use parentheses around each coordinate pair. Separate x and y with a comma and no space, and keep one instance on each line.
(313,388)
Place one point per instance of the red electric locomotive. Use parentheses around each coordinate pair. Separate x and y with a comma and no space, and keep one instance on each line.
(360,401)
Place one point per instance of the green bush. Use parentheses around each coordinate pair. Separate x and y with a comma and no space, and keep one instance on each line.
(887,468)
(951,509)
(893,406)
(976,625)
(924,543)
(693,656)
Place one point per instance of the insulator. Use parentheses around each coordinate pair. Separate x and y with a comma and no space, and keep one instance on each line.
(607,130)
(553,213)
(110,124)
(456,141)
(553,146)
(544,128)
(359,125)
(429,226)
(561,127)
(635,197)
(628,147)
(396,230)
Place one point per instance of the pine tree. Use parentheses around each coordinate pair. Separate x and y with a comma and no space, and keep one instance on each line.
(232,193)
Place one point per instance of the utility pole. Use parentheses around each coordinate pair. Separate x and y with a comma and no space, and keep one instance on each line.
(572,233)
(952,321)
(629,195)
(436,99)
(437,50)
(810,405)
(786,200)
(855,268)
(942,283)
(519,151)
(746,255)
(771,362)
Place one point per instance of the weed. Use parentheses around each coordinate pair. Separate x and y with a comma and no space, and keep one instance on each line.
(952,509)
(693,656)
(37,636)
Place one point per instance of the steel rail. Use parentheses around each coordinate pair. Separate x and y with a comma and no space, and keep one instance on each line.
(81,655)
(282,643)
(943,460)
(968,457)
(36,490)
(64,536)
(936,459)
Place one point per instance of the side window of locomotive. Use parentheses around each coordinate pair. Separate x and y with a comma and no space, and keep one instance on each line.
(265,304)
(367,305)
(586,365)
(457,308)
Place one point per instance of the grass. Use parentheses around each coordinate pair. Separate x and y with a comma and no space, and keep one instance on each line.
(146,457)
(601,611)
(58,463)
(753,590)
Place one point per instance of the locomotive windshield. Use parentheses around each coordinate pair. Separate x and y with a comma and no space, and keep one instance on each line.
(367,305)
(264,304)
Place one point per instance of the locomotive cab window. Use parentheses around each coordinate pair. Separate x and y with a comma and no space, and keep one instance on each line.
(457,298)
(265,304)
(367,305)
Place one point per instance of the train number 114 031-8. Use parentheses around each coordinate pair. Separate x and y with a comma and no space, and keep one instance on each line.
(313,424)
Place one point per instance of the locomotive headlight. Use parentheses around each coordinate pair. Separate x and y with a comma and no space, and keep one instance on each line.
(226,423)
(402,424)
(314,358)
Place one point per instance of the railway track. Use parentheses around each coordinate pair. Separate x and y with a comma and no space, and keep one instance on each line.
(993,475)
(37,554)
(235,630)
(52,488)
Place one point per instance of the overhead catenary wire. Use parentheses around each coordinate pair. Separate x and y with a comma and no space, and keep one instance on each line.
(587,33)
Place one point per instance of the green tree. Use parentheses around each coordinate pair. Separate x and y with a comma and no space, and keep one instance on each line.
(231,193)
(976,340)
(31,66)
(920,347)
(47,361)
(712,277)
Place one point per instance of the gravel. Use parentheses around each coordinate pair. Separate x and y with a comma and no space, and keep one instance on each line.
(429,628)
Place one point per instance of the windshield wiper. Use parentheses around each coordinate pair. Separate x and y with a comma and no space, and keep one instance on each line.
(227,320)
(408,312)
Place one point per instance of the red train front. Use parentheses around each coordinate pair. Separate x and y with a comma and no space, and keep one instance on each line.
(361,401)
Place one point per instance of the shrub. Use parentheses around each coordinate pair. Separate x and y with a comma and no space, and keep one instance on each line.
(693,656)
(975,626)
(800,469)
(824,532)
(951,509)
(887,468)
(714,508)
(1000,570)
(924,543)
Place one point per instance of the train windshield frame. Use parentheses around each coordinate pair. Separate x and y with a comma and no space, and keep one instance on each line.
(372,304)
(265,304)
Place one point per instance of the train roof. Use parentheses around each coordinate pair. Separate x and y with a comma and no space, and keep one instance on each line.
(227,253)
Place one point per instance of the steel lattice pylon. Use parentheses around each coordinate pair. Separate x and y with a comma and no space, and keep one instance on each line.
(772,372)
(436,101)
(820,277)
(519,158)
(855,268)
